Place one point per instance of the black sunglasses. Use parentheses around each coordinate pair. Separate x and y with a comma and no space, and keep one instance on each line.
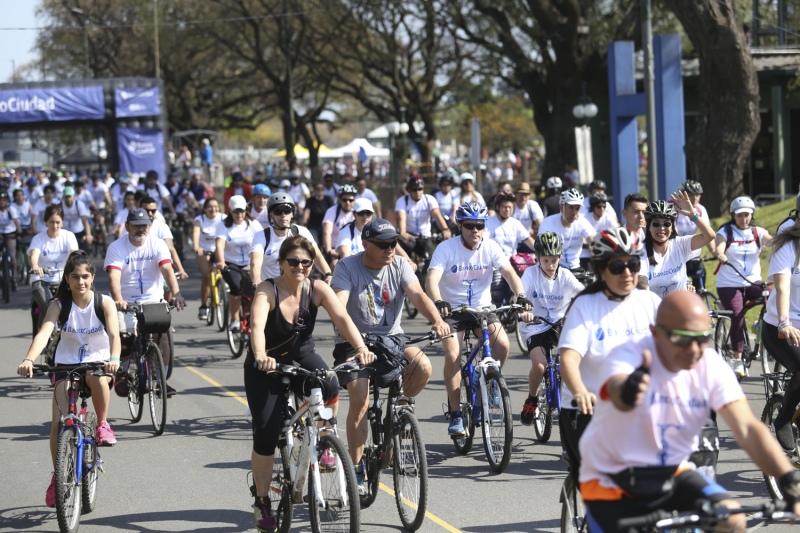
(151,211)
(618,267)
(284,211)
(298,262)
(347,199)
(471,226)
(237,211)
(364,213)
(384,245)
(657,224)
(417,189)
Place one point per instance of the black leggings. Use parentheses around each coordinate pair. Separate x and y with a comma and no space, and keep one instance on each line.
(789,357)
(571,425)
(265,394)
(234,276)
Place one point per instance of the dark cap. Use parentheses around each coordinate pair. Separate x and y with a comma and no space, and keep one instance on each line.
(138,217)
(379,229)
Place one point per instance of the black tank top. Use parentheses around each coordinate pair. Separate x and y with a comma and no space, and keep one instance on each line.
(286,341)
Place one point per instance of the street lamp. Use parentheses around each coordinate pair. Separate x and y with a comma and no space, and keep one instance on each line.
(83,14)
(583,136)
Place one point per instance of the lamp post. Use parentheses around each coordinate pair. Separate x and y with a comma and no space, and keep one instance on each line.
(583,137)
(85,16)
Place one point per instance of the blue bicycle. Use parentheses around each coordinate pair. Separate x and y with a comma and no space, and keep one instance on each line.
(549,393)
(484,399)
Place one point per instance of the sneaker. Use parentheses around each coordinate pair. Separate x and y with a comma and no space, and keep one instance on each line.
(262,511)
(528,414)
(738,368)
(121,385)
(235,326)
(105,435)
(360,484)
(50,495)
(171,391)
(456,427)
(785,435)
(203,313)
(327,462)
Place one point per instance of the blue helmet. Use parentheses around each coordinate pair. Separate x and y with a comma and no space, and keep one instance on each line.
(471,211)
(262,189)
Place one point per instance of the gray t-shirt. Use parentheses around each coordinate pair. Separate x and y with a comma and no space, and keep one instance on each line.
(376,296)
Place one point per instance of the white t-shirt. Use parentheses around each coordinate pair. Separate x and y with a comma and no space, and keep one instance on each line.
(83,337)
(98,193)
(84,197)
(524,214)
(344,218)
(783,262)
(7,221)
(467,274)
(354,242)
(34,195)
(72,216)
(663,429)
(141,277)
(158,229)
(418,214)
(22,213)
(743,253)
(572,236)
(459,198)
(238,239)
(550,297)
(53,253)
(684,226)
(595,326)
(38,209)
(269,266)
(262,217)
(208,231)
(507,234)
(786,225)
(669,272)
(368,194)
(446,201)
(605,222)
(158,193)
(118,191)
(585,211)
(299,193)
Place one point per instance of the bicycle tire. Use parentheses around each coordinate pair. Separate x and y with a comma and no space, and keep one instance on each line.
(768,363)
(157,385)
(280,490)
(411,311)
(498,428)
(171,346)
(370,460)
(463,444)
(410,472)
(68,491)
(235,342)
(6,272)
(572,510)
(767,416)
(722,339)
(543,421)
(89,481)
(343,514)
(212,309)
(221,309)
(135,389)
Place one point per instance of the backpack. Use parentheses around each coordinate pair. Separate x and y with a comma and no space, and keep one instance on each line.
(294,231)
(175,197)
(793,214)
(63,314)
(729,237)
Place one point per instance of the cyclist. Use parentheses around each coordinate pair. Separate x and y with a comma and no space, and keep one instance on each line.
(349,242)
(48,198)
(258,207)
(446,197)
(655,394)
(551,205)
(414,212)
(237,187)
(467,193)
(49,249)
(667,253)
(509,233)
(33,192)
(160,230)
(596,187)
(267,243)
(204,238)
(780,331)
(571,227)
(101,196)
(527,211)
(739,243)
(122,215)
(76,217)
(683,226)
(316,207)
(606,314)
(119,190)
(276,339)
(138,264)
(372,284)
(600,218)
(460,273)
(331,189)
(337,217)
(85,337)
(9,228)
(158,192)
(299,190)
(550,289)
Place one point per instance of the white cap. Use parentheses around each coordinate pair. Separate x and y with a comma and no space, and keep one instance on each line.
(363,204)
(286,183)
(237,201)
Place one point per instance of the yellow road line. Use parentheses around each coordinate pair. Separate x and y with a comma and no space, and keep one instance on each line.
(432,517)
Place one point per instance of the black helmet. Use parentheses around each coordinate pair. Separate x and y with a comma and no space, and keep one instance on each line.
(597,184)
(597,198)
(347,189)
(692,187)
(414,183)
(660,209)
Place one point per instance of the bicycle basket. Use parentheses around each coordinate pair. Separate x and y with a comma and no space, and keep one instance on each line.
(154,318)
(389,350)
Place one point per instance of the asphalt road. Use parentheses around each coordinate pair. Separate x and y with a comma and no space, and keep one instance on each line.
(194,476)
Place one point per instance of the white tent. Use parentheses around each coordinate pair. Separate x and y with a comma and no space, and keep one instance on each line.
(354,147)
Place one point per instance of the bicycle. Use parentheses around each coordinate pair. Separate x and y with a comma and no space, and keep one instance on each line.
(238,340)
(77,457)
(145,374)
(23,259)
(217,302)
(396,438)
(176,224)
(422,262)
(549,393)
(332,491)
(711,300)
(774,385)
(38,314)
(706,517)
(484,398)
(100,231)
(586,277)
(6,270)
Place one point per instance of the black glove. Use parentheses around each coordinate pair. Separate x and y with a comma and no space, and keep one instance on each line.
(631,386)
(789,484)
(441,305)
(522,300)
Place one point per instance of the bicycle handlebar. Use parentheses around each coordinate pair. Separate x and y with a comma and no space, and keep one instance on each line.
(485,310)
(706,512)
(431,337)
(294,370)
(80,369)
(541,319)
(134,308)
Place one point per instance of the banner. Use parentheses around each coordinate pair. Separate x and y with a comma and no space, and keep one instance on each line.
(137,102)
(54,104)
(140,150)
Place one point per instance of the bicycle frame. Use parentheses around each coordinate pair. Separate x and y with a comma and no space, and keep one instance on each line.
(554,373)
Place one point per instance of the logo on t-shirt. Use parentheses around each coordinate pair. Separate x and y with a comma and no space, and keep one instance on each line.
(600,334)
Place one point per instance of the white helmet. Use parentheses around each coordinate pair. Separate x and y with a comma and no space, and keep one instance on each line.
(553,183)
(742,204)
(465,176)
(571,197)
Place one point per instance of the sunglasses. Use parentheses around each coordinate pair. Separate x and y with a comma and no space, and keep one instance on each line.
(685,338)
(384,245)
(348,200)
(238,211)
(618,267)
(665,224)
(414,190)
(364,213)
(470,226)
(284,211)
(305,263)
(151,211)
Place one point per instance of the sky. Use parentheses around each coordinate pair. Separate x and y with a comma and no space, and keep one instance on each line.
(17,44)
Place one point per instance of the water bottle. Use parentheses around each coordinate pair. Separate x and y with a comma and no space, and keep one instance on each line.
(316,397)
(757,327)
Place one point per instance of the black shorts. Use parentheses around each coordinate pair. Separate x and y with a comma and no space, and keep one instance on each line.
(689,488)
(463,321)
(383,370)
(238,280)
(546,339)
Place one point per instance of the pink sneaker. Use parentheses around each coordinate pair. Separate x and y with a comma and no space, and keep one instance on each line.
(105,435)
(327,463)
(50,495)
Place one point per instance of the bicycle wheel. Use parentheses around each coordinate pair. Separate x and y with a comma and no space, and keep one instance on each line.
(68,491)
(572,508)
(767,416)
(212,309)
(372,471)
(464,444)
(280,490)
(410,472)
(722,338)
(411,311)
(339,510)
(157,385)
(89,481)
(135,389)
(543,421)
(221,309)
(236,342)
(498,429)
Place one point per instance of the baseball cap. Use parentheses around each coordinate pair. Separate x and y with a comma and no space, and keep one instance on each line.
(380,229)
(124,179)
(138,217)
(68,191)
(523,188)
(237,202)
(286,183)
(363,204)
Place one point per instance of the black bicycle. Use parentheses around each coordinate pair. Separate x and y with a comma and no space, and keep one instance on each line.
(6,270)
(706,517)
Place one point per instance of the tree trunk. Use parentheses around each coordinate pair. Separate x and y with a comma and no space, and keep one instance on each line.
(729,121)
